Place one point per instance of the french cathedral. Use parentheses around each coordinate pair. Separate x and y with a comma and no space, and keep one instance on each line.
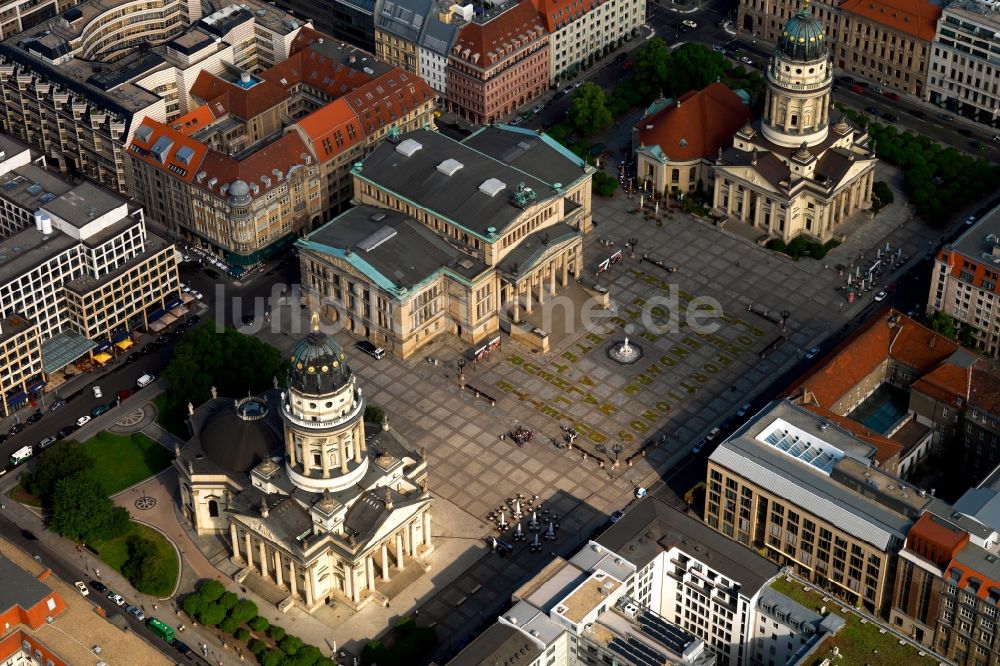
(801,169)
(317,504)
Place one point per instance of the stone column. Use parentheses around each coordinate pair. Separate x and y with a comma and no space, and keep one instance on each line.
(307,574)
(236,541)
(293,579)
(278,572)
(399,550)
(565,269)
(357,449)
(342,448)
(355,588)
(517,302)
(290,447)
(731,190)
(412,535)
(385,561)
(370,572)
(758,208)
(552,277)
(263,559)
(249,551)
(527,295)
(427,527)
(324,460)
(541,285)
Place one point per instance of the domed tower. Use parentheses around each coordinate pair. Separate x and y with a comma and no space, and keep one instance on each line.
(799,83)
(323,411)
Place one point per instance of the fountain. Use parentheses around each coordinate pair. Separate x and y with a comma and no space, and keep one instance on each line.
(625,352)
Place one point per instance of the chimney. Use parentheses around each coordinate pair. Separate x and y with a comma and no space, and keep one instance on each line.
(263,507)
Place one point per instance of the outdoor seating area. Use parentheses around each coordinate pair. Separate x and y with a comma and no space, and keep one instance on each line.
(206,258)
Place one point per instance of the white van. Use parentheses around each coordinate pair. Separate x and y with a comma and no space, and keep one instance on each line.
(145,380)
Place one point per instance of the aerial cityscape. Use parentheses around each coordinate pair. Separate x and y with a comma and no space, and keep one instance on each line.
(500,332)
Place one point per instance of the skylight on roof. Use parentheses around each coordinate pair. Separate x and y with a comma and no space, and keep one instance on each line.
(798,444)
(408,147)
(449,166)
(492,187)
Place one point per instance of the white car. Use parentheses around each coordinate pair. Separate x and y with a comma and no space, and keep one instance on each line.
(197,294)
(812,352)
(689,23)
(578,84)
(743,410)
(712,434)
(185,288)
(97,392)
(83,588)
(516,121)
(746,60)
(881,296)
(116,598)
(83,420)
(970,220)
(538,109)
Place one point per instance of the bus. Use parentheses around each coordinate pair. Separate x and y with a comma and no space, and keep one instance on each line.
(21,455)
(161,629)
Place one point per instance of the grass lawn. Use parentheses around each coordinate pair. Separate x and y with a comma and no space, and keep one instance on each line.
(124,460)
(856,641)
(114,552)
(19,494)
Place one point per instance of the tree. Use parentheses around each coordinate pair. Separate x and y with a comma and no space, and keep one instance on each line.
(694,66)
(275,633)
(229,625)
(942,323)
(272,658)
(603,184)
(259,623)
(210,589)
(257,647)
(62,460)
(229,600)
(144,567)
(290,644)
(652,69)
(81,511)
(242,634)
(243,611)
(193,604)
(589,109)
(374,414)
(232,362)
(212,614)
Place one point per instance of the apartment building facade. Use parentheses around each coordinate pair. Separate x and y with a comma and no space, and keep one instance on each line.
(499,218)
(964,75)
(80,91)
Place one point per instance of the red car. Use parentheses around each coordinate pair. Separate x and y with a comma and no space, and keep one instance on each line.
(857,89)
(893,96)
(125,393)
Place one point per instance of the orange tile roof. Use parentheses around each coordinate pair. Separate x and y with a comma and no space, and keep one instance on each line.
(913,17)
(257,167)
(558,13)
(194,120)
(306,36)
(389,97)
(177,168)
(961,382)
(854,359)
(332,129)
(697,124)
(317,71)
(244,102)
(935,541)
(492,42)
(885,449)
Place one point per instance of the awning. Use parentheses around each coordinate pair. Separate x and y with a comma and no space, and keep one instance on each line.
(124,344)
(187,298)
(168,319)
(174,303)
(102,346)
(155,314)
(178,311)
(102,357)
(119,336)
(36,385)
(157,326)
(20,396)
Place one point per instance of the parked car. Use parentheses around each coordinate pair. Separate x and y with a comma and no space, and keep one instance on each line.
(970,220)
(15,428)
(100,409)
(847,80)
(183,648)
(145,380)
(881,296)
(56,405)
(946,116)
(746,60)
(699,446)
(197,294)
(616,516)
(35,417)
(712,434)
(98,585)
(857,89)
(116,598)
(97,392)
(877,90)
(135,612)
(628,64)
(46,443)
(890,117)
(917,113)
(82,421)
(891,95)
(579,83)
(743,410)
(124,394)
(516,121)
(689,23)
(812,352)
(872,110)
(372,350)
(65,432)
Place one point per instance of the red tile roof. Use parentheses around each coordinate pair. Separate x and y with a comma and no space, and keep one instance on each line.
(306,36)
(315,70)
(958,382)
(177,168)
(332,129)
(243,102)
(697,124)
(388,98)
(492,42)
(558,13)
(854,359)
(914,17)
(256,168)
(194,120)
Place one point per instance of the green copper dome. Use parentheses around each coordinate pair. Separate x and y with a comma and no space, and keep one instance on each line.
(803,38)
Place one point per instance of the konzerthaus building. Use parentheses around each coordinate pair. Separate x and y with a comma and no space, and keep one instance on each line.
(451,236)
(78,86)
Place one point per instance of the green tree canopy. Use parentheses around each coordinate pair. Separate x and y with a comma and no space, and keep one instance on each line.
(652,69)
(212,614)
(692,67)
(62,460)
(144,567)
(589,110)
(942,322)
(228,600)
(243,611)
(81,511)
(211,589)
(290,644)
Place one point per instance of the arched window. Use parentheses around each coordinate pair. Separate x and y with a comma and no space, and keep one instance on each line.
(213,508)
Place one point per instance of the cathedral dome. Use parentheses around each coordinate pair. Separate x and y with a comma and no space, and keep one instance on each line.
(240,437)
(803,37)
(318,365)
